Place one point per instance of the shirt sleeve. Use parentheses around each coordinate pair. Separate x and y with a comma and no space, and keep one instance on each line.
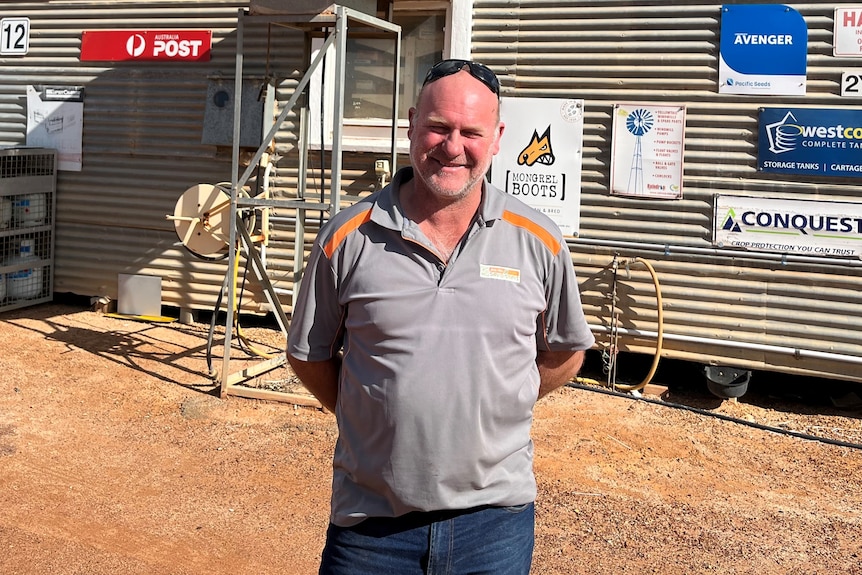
(563,324)
(316,326)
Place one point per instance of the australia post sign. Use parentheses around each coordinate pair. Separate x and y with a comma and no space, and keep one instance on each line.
(149,45)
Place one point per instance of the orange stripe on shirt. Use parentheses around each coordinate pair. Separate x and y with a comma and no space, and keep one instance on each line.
(544,235)
(345,230)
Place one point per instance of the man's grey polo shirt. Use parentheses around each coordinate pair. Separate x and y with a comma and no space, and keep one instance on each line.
(439,373)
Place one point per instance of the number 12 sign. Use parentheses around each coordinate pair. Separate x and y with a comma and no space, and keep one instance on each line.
(14,36)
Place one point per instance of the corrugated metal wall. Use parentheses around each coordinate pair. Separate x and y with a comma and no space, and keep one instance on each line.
(733,308)
(142,148)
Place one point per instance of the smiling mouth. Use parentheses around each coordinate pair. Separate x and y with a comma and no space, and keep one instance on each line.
(448,166)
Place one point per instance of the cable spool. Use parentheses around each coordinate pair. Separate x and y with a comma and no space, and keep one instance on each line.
(202,220)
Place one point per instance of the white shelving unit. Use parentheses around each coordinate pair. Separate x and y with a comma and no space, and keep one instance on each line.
(28,183)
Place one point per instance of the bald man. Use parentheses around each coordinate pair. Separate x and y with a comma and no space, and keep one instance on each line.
(432,316)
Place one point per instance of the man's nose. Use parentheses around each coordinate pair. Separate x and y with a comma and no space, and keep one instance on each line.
(454,143)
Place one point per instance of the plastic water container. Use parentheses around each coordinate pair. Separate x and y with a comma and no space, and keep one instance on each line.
(5,213)
(29,210)
(26,283)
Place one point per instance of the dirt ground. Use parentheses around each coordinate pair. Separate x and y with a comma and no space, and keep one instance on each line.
(117,456)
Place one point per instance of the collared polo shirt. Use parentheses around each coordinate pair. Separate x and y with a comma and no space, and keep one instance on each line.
(439,374)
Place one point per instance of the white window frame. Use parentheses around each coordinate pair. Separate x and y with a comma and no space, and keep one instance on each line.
(373,135)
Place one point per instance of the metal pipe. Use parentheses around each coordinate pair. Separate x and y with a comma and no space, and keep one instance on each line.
(794,351)
(236,186)
(396,79)
(614,329)
(667,249)
(338,111)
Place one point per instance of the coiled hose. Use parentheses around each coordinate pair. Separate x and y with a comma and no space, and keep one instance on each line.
(659,338)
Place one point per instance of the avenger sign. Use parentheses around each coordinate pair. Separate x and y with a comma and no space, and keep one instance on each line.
(763,50)
(145,45)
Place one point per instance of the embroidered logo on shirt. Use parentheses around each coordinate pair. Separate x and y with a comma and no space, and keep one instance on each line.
(500,273)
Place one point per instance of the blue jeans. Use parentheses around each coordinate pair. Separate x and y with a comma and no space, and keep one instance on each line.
(482,541)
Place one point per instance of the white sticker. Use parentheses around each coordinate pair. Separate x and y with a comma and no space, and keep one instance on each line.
(500,273)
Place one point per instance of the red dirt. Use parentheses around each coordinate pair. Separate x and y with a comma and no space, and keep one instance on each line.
(117,457)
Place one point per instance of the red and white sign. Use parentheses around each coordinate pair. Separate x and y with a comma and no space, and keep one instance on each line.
(847,33)
(122,45)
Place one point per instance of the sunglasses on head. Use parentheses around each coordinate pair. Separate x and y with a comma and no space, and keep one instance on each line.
(477,70)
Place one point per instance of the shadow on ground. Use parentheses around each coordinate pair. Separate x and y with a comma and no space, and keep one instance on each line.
(778,391)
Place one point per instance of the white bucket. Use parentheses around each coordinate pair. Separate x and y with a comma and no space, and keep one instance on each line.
(29,210)
(5,213)
(26,283)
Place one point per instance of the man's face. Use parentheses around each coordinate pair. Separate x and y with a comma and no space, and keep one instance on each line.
(454,133)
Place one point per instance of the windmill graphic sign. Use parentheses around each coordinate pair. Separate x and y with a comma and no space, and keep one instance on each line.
(647,151)
(540,156)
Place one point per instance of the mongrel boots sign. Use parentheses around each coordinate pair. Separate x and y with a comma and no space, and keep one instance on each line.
(540,157)
(146,45)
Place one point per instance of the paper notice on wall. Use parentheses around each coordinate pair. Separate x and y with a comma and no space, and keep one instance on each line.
(55,119)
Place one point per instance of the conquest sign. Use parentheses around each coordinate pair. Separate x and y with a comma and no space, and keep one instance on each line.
(121,45)
(808,227)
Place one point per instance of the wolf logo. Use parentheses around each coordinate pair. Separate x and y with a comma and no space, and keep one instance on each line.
(538,150)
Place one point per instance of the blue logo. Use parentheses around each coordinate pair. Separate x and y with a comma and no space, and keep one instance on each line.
(764,39)
(824,141)
(730,224)
(763,50)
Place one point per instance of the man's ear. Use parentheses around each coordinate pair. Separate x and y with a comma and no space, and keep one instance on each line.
(411,113)
(500,129)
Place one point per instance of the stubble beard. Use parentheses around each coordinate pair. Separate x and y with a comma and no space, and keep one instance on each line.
(437,182)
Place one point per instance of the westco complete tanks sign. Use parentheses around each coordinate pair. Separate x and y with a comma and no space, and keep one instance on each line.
(121,45)
(816,141)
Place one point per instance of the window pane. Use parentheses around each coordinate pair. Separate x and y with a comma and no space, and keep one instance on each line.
(368,89)
(421,48)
